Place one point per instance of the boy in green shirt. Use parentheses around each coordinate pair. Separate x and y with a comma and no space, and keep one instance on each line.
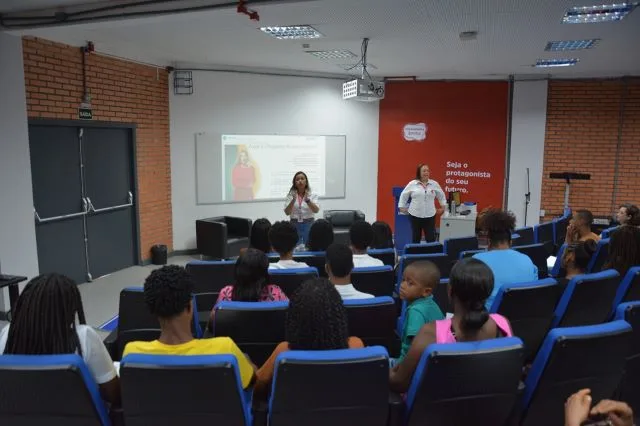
(419,280)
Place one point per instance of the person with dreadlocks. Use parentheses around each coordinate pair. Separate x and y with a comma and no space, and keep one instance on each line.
(624,249)
(168,294)
(316,320)
(49,320)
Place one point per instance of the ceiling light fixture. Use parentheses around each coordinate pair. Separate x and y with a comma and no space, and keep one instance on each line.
(332,54)
(564,45)
(598,13)
(292,33)
(551,63)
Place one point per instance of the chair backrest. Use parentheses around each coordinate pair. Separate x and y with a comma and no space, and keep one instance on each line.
(629,290)
(599,257)
(560,229)
(441,296)
(339,387)
(543,234)
(526,236)
(373,321)
(466,383)
(423,248)
(557,270)
(571,359)
(469,253)
(538,255)
(441,260)
(606,233)
(587,299)
(315,259)
(530,308)
(453,246)
(256,327)
(343,218)
(212,390)
(290,279)
(630,387)
(52,390)
(387,255)
(376,280)
(209,278)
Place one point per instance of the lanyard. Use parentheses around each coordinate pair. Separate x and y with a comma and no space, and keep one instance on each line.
(300,200)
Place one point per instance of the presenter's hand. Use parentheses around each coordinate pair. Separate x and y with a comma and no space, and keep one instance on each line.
(403,209)
(439,211)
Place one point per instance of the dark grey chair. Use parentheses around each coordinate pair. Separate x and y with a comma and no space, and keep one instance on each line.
(222,237)
(341,220)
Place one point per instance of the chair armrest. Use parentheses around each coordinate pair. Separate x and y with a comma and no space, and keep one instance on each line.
(238,226)
(260,411)
(111,343)
(359,215)
(397,408)
(211,238)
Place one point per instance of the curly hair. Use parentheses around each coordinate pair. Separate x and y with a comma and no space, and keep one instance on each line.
(471,282)
(320,235)
(283,237)
(252,275)
(382,235)
(499,225)
(44,319)
(624,249)
(582,251)
(316,318)
(168,291)
(259,238)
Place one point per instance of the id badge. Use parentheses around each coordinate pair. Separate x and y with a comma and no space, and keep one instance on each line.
(300,220)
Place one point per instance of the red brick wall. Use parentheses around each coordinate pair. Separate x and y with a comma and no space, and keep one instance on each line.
(120,91)
(592,125)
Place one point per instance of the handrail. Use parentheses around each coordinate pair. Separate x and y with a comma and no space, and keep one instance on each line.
(92,209)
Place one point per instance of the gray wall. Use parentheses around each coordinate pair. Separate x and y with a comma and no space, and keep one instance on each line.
(18,252)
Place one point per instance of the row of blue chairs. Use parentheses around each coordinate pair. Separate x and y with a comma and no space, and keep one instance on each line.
(462,383)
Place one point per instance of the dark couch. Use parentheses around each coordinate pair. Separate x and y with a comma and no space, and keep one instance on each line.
(342,221)
(222,237)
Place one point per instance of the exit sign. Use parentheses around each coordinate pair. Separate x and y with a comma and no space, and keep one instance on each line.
(85,114)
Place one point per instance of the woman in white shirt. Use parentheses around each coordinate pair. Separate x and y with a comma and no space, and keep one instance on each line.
(44,323)
(422,210)
(301,206)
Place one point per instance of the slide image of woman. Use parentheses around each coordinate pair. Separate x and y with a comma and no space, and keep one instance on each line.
(244,176)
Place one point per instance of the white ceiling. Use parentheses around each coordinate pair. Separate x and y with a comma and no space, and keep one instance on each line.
(408,38)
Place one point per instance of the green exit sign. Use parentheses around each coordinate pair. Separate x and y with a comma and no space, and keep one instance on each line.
(85,114)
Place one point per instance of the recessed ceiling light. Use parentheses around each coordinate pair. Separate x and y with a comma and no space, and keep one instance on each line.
(550,63)
(594,14)
(332,54)
(559,46)
(356,67)
(292,33)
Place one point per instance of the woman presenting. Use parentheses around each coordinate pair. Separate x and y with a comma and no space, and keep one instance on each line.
(301,206)
(422,210)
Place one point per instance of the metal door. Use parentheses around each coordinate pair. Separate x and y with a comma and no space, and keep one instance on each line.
(59,205)
(109,190)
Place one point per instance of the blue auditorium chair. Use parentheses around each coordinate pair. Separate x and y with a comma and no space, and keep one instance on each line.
(474,383)
(441,260)
(441,296)
(630,386)
(453,246)
(315,259)
(600,257)
(560,226)
(469,253)
(557,270)
(51,390)
(342,387)
(164,390)
(526,236)
(587,299)
(571,359)
(543,234)
(376,280)
(209,278)
(529,308)
(606,233)
(374,321)
(629,289)
(538,255)
(290,279)
(256,327)
(387,255)
(423,248)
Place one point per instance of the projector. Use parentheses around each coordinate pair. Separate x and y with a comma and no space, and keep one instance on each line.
(363,90)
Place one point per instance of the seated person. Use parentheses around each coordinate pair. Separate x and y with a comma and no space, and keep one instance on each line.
(575,260)
(578,410)
(419,280)
(168,295)
(252,276)
(316,320)
(320,235)
(508,266)
(470,284)
(624,249)
(259,238)
(284,237)
(44,323)
(361,235)
(628,214)
(579,228)
(339,266)
(382,235)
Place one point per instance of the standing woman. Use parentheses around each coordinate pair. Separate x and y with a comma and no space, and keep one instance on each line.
(422,210)
(301,205)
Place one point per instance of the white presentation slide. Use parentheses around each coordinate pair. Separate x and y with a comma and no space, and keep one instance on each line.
(261,167)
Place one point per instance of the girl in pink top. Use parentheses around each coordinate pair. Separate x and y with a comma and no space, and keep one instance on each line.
(470,284)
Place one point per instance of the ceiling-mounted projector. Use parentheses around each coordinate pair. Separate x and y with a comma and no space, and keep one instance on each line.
(363,90)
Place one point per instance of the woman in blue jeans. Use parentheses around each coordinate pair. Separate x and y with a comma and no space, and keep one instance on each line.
(301,206)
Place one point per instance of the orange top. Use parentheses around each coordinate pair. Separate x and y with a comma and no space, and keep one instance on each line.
(265,373)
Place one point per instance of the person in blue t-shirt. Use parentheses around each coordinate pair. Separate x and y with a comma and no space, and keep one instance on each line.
(508,266)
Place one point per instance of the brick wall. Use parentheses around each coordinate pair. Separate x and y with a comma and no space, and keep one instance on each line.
(592,126)
(121,91)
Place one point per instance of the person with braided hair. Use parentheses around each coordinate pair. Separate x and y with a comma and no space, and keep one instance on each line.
(624,249)
(470,284)
(48,320)
(316,320)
